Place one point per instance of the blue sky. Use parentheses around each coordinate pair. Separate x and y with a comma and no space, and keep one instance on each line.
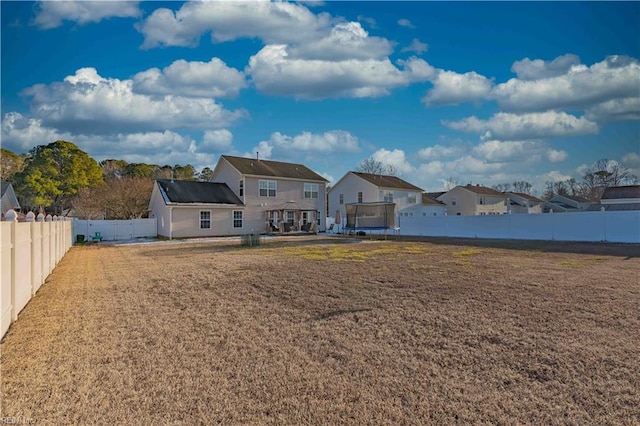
(482,92)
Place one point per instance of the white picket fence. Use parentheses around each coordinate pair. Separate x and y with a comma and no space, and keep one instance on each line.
(614,226)
(29,252)
(115,230)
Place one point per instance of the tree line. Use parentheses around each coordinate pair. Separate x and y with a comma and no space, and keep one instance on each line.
(60,177)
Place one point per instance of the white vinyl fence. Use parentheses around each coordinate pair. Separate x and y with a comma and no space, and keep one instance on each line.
(115,230)
(614,226)
(29,252)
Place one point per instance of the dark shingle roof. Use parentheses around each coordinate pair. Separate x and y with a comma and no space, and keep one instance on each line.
(483,190)
(251,166)
(188,191)
(384,181)
(430,198)
(617,192)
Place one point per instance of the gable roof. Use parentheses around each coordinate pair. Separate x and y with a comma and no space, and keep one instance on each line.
(385,181)
(526,196)
(574,198)
(483,190)
(4,186)
(255,167)
(429,198)
(194,192)
(617,192)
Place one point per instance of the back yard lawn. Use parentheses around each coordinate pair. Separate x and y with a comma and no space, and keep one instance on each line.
(323,332)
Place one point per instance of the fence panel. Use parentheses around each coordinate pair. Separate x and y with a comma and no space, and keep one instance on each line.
(115,230)
(36,256)
(28,254)
(21,254)
(618,227)
(6,231)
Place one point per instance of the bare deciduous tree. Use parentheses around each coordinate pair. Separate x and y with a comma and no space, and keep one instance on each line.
(376,167)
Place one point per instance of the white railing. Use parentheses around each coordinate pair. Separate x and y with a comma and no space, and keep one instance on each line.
(28,251)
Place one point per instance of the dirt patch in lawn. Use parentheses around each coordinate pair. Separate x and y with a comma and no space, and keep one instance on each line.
(316,332)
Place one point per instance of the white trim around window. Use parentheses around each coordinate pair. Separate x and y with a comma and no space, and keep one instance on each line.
(238,219)
(311,190)
(205,219)
(267,188)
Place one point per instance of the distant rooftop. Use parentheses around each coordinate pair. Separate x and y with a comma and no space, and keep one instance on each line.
(386,181)
(256,167)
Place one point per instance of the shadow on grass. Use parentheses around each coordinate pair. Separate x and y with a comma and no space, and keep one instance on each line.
(576,247)
(231,246)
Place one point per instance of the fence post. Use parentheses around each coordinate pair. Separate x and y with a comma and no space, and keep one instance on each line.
(12,216)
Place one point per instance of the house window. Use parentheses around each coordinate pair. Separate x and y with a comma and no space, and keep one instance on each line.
(267,188)
(481,200)
(241,186)
(290,216)
(310,190)
(388,197)
(359,197)
(411,198)
(341,198)
(205,219)
(454,201)
(237,218)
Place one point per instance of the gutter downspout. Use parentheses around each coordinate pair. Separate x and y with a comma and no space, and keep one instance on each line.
(171,223)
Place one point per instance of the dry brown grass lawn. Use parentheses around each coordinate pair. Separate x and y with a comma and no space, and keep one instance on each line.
(317,332)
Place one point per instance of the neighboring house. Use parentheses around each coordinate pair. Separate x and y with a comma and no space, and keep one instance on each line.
(358,187)
(472,200)
(430,206)
(196,209)
(524,203)
(616,198)
(278,196)
(9,200)
(566,204)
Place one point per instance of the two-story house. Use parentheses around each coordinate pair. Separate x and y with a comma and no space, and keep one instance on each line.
(566,204)
(617,198)
(470,200)
(278,196)
(359,187)
(524,203)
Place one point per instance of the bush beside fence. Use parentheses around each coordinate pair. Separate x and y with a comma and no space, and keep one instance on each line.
(29,252)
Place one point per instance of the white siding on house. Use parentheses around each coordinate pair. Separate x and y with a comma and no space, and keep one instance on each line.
(350,185)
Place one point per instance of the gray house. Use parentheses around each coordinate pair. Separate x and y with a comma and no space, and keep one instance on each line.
(196,209)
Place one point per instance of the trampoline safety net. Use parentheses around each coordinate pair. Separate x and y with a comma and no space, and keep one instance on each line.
(370,215)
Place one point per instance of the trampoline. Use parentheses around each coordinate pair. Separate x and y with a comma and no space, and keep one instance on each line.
(370,217)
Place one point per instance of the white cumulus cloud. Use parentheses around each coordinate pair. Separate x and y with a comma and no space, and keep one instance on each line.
(416,46)
(195,79)
(216,140)
(537,69)
(51,14)
(405,23)
(396,159)
(506,126)
(273,22)
(307,142)
(580,87)
(89,103)
(452,88)
(273,72)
